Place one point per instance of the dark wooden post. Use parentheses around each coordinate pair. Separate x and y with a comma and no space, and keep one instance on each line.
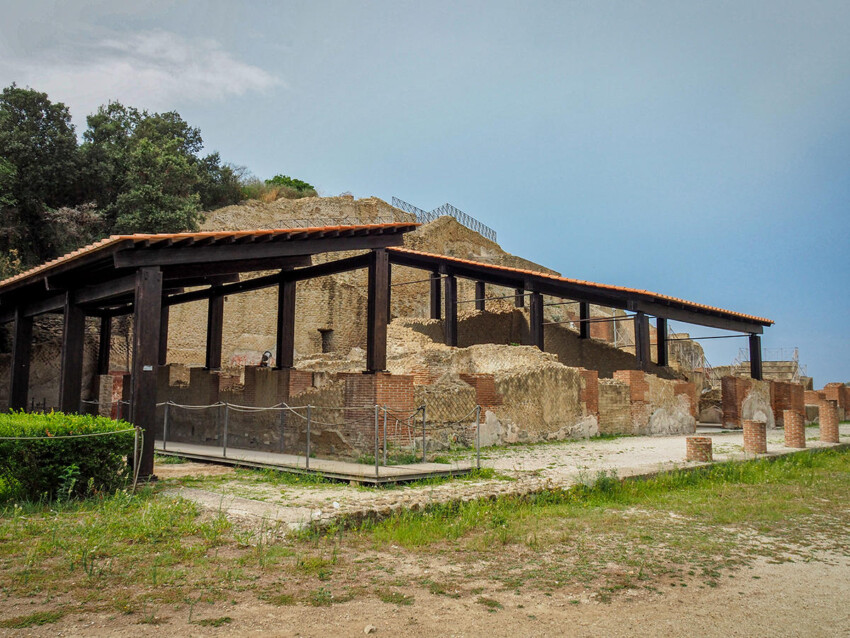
(519,298)
(19,375)
(535,319)
(376,311)
(389,292)
(450,326)
(642,340)
(661,342)
(163,336)
(435,296)
(147,308)
(215,326)
(480,293)
(104,345)
(755,357)
(71,367)
(584,320)
(285,347)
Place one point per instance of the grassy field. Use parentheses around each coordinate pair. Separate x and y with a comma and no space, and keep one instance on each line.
(145,557)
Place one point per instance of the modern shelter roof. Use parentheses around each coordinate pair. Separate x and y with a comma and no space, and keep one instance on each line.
(602,294)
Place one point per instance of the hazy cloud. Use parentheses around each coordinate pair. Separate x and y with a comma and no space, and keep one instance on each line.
(157,70)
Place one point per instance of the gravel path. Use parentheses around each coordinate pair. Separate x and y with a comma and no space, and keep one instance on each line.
(528,468)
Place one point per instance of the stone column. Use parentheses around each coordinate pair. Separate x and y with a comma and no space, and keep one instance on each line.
(795,431)
(828,419)
(755,437)
(699,449)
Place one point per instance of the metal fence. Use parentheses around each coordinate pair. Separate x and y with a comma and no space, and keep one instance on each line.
(423,216)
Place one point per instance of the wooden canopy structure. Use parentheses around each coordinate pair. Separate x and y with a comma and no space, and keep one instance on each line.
(144,275)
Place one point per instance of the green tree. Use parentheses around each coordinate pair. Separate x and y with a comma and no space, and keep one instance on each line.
(37,140)
(293,183)
(160,194)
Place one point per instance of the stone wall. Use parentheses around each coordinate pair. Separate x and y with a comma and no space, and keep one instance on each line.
(746,399)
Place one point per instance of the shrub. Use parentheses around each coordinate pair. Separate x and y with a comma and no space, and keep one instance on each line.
(290,182)
(47,466)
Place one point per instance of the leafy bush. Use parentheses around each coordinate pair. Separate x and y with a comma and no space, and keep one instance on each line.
(269,191)
(291,182)
(47,466)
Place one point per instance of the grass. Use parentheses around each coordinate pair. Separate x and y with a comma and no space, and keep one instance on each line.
(32,620)
(146,556)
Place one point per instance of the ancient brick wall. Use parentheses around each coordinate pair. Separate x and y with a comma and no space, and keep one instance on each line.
(746,399)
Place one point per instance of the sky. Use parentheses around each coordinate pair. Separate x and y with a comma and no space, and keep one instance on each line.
(697,149)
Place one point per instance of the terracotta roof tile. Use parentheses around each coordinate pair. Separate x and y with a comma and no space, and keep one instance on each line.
(590,284)
(140,237)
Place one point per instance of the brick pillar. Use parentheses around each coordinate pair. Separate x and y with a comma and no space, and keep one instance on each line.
(795,431)
(828,420)
(698,449)
(755,437)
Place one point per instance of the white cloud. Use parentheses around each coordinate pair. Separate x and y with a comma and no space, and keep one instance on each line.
(156,70)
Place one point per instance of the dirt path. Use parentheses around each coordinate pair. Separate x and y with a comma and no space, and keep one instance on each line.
(788,599)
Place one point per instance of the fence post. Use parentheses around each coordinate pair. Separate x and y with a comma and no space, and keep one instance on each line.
(282,427)
(165,426)
(424,408)
(309,416)
(226,422)
(478,437)
(385,436)
(376,440)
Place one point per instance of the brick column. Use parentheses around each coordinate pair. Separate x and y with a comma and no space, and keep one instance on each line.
(795,431)
(755,437)
(699,449)
(828,420)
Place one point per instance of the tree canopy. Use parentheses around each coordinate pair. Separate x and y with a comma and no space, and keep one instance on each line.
(133,171)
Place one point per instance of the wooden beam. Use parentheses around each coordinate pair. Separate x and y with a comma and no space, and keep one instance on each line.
(389,291)
(699,318)
(215,327)
(480,293)
(436,293)
(450,325)
(147,305)
(755,357)
(535,316)
(269,281)
(162,358)
(376,311)
(104,345)
(266,250)
(285,346)
(19,375)
(642,340)
(661,341)
(71,367)
(584,320)
(233,267)
(519,298)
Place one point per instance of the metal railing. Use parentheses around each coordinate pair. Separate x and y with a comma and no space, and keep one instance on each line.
(390,427)
(423,216)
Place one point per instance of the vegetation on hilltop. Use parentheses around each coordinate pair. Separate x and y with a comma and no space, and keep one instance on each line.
(133,171)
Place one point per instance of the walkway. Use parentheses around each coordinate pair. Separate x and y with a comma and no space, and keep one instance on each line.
(340,470)
(528,469)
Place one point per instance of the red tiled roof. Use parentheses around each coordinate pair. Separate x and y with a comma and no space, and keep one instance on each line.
(146,239)
(589,284)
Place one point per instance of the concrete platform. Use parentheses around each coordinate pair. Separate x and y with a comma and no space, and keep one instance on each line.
(340,470)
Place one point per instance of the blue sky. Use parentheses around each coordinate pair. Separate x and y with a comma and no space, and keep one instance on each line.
(696,149)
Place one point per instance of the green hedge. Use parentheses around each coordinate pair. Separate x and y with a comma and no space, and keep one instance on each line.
(52,467)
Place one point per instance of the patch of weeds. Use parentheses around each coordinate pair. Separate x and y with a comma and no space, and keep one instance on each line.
(321,597)
(214,622)
(167,459)
(394,597)
(281,600)
(490,603)
(316,565)
(32,620)
(439,589)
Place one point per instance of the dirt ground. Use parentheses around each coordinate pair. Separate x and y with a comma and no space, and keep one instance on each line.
(788,599)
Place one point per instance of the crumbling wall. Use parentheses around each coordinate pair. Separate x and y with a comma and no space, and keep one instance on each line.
(746,399)
(657,406)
